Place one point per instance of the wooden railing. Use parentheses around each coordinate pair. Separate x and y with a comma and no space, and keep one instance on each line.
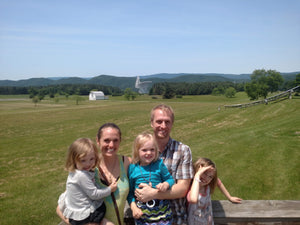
(266,100)
(250,212)
(258,212)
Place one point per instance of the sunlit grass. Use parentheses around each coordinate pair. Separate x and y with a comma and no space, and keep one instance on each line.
(256,149)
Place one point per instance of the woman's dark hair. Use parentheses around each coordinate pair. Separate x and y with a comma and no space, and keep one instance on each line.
(108,125)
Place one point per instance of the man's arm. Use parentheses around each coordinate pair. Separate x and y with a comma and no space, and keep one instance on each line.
(179,190)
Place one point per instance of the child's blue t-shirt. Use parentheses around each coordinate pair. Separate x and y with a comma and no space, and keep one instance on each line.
(156,172)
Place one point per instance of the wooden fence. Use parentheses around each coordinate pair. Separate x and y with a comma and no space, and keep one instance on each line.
(250,212)
(285,94)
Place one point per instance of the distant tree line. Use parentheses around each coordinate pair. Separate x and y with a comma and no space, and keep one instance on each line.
(201,88)
(61,89)
(262,83)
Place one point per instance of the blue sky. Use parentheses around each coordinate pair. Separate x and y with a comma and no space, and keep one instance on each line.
(87,38)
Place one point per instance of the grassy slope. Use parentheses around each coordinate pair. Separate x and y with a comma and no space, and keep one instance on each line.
(256,149)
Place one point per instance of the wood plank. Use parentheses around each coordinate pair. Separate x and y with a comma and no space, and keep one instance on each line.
(257,211)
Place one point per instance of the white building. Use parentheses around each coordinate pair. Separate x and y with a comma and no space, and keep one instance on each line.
(97,95)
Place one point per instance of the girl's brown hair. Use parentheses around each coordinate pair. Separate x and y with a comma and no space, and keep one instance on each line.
(207,162)
(139,141)
(78,149)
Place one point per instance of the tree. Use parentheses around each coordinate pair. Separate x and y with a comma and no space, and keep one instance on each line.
(218,90)
(78,99)
(169,93)
(35,100)
(262,82)
(129,94)
(230,92)
(32,92)
(297,81)
(56,98)
(274,80)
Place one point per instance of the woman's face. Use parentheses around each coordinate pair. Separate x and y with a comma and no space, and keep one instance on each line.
(109,141)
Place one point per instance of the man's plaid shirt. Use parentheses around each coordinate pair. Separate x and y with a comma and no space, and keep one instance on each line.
(178,159)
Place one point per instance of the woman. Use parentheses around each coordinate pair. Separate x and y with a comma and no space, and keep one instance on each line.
(112,167)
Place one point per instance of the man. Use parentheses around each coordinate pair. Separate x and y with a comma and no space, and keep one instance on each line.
(178,159)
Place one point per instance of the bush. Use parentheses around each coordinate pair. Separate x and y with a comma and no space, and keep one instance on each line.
(230,92)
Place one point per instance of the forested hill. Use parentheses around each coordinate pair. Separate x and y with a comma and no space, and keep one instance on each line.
(125,82)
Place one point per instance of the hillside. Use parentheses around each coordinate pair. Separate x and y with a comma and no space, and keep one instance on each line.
(129,82)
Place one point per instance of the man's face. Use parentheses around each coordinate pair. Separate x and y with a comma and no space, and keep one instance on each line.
(161,124)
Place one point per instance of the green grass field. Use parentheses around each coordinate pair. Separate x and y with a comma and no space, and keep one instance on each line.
(256,149)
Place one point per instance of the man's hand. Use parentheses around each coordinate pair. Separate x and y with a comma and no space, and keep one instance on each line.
(145,192)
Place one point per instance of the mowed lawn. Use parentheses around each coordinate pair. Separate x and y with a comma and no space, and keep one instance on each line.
(256,149)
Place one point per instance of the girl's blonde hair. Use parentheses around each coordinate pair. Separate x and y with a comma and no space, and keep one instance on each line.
(207,162)
(138,143)
(78,149)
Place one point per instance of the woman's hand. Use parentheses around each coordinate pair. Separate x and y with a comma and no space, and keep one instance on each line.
(113,186)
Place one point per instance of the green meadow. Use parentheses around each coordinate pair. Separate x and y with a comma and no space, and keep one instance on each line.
(256,149)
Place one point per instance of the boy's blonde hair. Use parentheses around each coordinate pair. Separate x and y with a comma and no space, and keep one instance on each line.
(207,162)
(78,149)
(139,141)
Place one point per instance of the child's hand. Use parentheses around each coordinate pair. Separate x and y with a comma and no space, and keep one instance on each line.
(163,186)
(235,199)
(136,212)
(201,171)
(113,186)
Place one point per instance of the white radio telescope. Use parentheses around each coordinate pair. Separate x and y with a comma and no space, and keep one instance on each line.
(142,86)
